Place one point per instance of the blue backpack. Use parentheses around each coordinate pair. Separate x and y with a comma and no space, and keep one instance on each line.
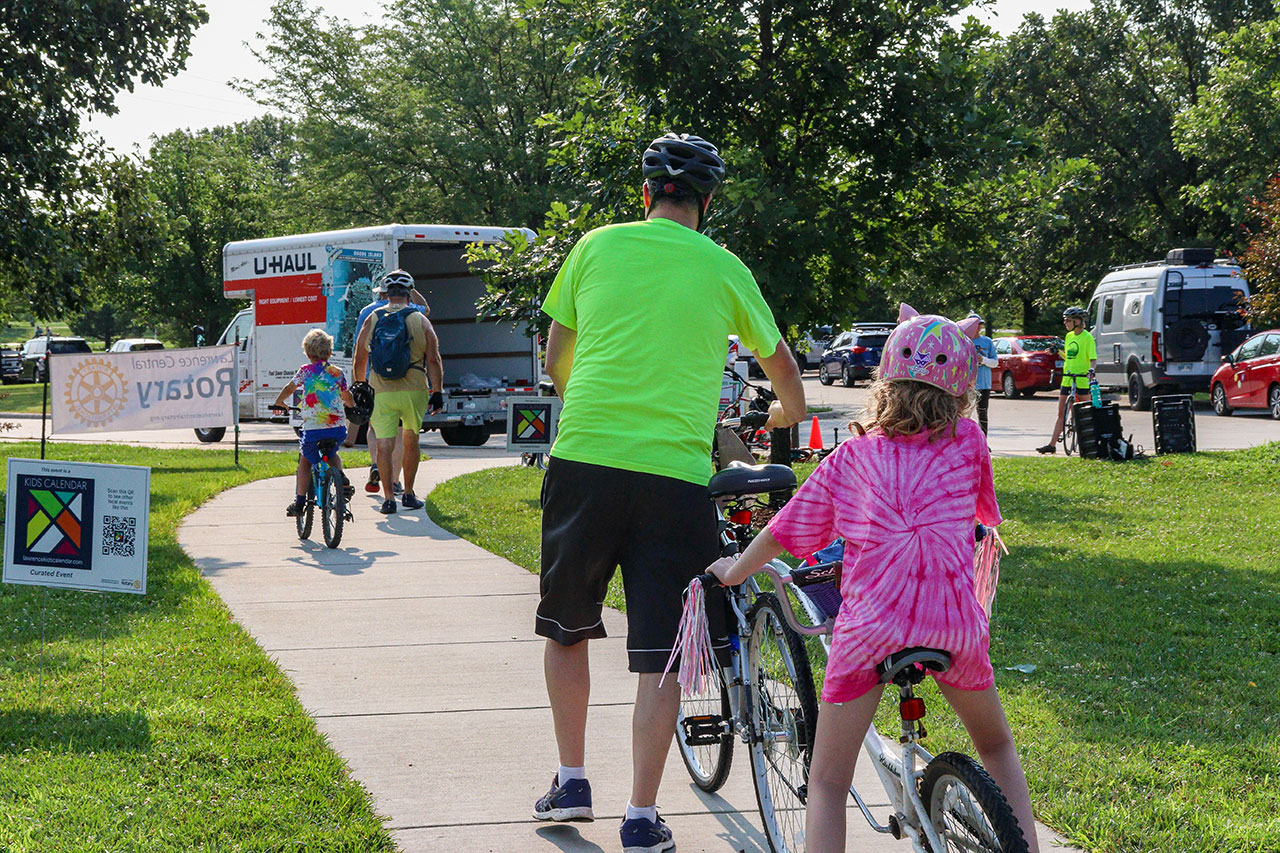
(389,348)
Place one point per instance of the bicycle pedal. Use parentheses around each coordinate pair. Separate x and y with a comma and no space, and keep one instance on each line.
(346,515)
(705,730)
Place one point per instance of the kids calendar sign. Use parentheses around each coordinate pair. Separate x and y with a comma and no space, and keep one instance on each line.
(80,525)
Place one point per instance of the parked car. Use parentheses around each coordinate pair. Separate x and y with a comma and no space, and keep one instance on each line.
(854,354)
(1164,325)
(34,365)
(1249,377)
(1028,363)
(10,365)
(135,345)
(808,350)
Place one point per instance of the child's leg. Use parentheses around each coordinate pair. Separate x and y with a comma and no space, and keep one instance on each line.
(983,717)
(304,475)
(835,753)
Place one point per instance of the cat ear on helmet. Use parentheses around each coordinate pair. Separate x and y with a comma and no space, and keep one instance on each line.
(906,312)
(970,326)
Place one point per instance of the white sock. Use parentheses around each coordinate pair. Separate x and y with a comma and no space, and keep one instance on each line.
(567,773)
(649,813)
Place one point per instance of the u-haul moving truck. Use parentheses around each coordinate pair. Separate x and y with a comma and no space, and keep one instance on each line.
(300,282)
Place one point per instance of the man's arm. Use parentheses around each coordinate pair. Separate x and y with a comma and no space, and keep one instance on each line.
(418,298)
(561,341)
(784,376)
(362,351)
(434,366)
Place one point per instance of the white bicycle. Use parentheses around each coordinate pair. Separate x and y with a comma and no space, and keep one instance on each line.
(939,803)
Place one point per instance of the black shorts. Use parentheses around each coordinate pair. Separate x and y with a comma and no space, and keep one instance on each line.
(660,530)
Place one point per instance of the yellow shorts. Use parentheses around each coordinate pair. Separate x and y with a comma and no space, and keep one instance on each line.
(392,409)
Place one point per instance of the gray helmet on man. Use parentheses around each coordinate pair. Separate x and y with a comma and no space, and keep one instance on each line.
(397,279)
(684,159)
(1075,312)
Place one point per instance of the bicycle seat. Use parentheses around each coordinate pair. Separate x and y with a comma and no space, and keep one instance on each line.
(742,479)
(327,446)
(911,664)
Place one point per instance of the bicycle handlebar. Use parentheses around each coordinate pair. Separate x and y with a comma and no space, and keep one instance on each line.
(755,420)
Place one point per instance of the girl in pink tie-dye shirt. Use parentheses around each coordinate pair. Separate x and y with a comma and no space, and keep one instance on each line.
(904,494)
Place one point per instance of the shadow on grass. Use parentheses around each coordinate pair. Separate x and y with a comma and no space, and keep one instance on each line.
(83,732)
(1161,650)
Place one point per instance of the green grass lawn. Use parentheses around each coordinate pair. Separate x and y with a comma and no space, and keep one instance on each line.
(132,723)
(1147,597)
(22,397)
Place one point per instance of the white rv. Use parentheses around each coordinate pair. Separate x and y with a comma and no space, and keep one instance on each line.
(305,281)
(1164,326)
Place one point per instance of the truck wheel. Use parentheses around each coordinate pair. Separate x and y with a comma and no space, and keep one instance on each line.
(465,435)
(211,435)
(1139,394)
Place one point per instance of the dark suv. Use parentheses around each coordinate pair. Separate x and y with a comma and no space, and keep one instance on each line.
(10,365)
(34,357)
(854,355)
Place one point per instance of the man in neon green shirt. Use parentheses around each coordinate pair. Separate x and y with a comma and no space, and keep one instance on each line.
(1079,364)
(641,314)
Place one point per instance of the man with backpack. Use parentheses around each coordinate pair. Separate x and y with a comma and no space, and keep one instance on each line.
(400,349)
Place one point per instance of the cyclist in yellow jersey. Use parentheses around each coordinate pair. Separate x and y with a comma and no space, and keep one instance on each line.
(641,315)
(1080,357)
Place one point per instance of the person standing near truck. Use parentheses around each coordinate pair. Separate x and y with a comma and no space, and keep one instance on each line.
(398,345)
(417,301)
(640,314)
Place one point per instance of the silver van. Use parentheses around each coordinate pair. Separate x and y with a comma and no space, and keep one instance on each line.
(1162,327)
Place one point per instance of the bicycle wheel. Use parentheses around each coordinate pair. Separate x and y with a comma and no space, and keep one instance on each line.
(705,720)
(783,719)
(331,508)
(967,809)
(305,518)
(1069,427)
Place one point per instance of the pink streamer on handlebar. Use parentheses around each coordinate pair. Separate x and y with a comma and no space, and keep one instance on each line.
(986,568)
(693,645)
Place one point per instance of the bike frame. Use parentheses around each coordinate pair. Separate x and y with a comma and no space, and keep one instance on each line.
(898,773)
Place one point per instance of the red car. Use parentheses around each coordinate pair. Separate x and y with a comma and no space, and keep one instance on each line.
(1028,363)
(1250,377)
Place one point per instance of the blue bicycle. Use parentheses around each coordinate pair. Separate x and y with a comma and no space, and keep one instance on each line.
(329,491)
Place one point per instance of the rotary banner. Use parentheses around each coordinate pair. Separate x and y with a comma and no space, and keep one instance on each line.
(156,389)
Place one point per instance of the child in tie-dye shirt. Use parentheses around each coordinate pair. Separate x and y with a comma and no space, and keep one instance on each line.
(904,494)
(324,393)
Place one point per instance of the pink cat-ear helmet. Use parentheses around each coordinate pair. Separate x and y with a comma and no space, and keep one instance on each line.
(933,350)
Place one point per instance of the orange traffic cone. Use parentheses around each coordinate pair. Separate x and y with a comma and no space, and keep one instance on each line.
(815,435)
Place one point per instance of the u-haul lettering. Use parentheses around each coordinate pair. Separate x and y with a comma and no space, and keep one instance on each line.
(286,263)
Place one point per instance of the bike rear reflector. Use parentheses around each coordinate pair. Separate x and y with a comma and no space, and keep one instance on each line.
(912,709)
(742,516)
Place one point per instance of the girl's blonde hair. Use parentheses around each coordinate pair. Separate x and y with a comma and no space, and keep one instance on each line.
(903,407)
(318,345)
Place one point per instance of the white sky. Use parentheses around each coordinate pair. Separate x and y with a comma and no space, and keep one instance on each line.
(201,97)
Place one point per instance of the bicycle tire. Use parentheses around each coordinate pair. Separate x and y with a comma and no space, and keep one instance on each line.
(305,518)
(331,509)
(783,719)
(1069,436)
(967,808)
(708,764)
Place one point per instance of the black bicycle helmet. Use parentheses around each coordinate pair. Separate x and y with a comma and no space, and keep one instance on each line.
(1075,312)
(362,396)
(397,278)
(686,159)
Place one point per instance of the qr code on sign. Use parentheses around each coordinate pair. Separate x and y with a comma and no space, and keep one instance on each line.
(118,534)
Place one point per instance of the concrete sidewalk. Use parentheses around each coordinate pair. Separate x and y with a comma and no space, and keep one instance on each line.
(414,651)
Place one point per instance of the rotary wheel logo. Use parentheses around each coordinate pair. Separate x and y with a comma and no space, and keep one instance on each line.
(96,391)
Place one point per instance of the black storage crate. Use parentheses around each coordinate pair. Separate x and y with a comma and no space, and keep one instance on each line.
(1097,429)
(1173,418)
